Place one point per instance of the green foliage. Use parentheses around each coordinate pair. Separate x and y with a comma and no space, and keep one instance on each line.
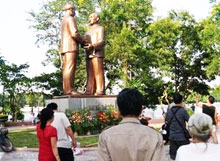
(125,24)
(216,93)
(34,99)
(178,54)
(210,35)
(15,85)
(190,111)
(140,52)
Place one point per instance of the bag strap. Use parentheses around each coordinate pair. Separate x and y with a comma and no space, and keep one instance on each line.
(178,119)
(169,122)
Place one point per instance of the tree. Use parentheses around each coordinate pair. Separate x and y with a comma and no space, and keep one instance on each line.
(125,23)
(175,44)
(15,85)
(210,36)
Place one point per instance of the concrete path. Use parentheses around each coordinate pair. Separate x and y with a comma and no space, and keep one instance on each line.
(33,155)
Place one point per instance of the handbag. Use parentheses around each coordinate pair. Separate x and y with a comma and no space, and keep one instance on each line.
(165,131)
(185,131)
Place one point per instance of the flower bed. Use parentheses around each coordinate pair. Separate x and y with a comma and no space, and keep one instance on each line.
(86,121)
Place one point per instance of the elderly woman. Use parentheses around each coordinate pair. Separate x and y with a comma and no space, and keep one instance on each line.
(200,128)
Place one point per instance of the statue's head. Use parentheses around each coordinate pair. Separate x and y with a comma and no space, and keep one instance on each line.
(93,18)
(69,8)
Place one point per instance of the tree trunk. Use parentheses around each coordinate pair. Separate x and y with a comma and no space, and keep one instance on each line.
(125,73)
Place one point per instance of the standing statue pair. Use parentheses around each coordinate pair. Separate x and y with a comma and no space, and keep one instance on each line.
(92,42)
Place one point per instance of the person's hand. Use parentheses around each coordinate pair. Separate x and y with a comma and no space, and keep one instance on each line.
(74,143)
(87,46)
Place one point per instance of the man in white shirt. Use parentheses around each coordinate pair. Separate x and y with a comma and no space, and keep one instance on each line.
(64,133)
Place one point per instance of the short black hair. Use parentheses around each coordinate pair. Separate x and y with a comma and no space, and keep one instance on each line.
(52,106)
(130,102)
(177,98)
(211,99)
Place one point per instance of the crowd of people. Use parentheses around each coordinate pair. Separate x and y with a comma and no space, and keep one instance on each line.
(190,138)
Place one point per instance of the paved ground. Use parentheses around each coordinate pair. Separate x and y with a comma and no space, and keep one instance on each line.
(31,155)
(26,155)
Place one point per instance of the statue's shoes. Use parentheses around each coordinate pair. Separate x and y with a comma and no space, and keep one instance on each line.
(99,93)
(74,93)
(87,93)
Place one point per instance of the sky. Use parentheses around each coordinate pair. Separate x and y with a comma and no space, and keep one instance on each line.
(17,40)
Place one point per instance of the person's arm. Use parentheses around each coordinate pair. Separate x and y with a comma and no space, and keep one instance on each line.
(159,152)
(68,129)
(70,133)
(216,117)
(99,44)
(197,102)
(103,153)
(73,30)
(53,141)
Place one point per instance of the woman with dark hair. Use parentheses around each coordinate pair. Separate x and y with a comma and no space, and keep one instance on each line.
(47,137)
(200,128)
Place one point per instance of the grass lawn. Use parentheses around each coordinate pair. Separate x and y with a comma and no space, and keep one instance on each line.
(26,138)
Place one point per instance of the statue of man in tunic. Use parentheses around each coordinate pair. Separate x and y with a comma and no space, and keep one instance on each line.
(70,39)
(94,40)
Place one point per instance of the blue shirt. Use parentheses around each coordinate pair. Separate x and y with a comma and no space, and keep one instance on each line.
(176,131)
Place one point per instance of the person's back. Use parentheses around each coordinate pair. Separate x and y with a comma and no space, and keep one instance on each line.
(177,117)
(130,140)
(176,131)
(60,122)
(44,136)
(200,152)
(209,110)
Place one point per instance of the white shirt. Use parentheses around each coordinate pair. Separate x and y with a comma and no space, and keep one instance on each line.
(199,152)
(61,122)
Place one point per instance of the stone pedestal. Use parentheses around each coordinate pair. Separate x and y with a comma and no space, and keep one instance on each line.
(80,102)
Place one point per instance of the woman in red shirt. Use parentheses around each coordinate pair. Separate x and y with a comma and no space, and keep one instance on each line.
(47,137)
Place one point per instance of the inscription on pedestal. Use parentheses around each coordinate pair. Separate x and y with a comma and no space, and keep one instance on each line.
(80,102)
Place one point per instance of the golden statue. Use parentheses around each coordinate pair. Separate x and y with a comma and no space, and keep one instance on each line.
(94,45)
(70,39)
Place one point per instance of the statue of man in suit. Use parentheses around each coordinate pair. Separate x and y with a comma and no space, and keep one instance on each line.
(70,39)
(94,45)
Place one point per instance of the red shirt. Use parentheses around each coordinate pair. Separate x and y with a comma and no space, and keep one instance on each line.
(44,138)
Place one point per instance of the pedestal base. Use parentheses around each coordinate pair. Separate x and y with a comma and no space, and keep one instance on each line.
(80,102)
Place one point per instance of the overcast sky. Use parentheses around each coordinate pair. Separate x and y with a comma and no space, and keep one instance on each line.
(17,41)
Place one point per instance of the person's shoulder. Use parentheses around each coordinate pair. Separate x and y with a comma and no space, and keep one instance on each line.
(184,148)
(60,114)
(110,129)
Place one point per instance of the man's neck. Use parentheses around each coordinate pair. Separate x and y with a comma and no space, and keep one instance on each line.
(130,116)
(179,104)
